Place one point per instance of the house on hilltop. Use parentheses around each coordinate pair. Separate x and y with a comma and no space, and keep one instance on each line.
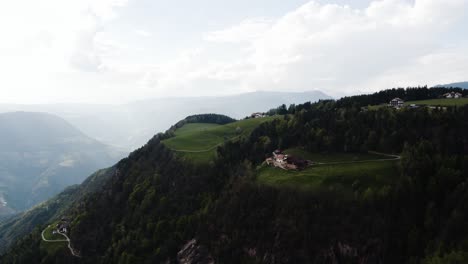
(396,102)
(257,115)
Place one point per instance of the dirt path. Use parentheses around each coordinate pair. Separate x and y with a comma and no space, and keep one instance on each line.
(392,157)
(67,239)
(69,245)
(47,240)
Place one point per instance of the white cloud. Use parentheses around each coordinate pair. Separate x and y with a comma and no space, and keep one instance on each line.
(65,51)
(143,33)
(335,48)
(247,30)
(41,40)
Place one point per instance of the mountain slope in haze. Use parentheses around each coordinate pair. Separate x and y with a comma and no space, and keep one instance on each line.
(463,85)
(130,125)
(40,154)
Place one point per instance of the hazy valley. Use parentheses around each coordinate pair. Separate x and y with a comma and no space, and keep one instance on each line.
(41,154)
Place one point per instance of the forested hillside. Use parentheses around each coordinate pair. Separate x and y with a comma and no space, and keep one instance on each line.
(158,207)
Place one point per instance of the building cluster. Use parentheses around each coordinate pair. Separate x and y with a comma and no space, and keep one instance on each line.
(287,162)
(398,102)
(63,226)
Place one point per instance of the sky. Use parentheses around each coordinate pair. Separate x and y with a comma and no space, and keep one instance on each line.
(116,51)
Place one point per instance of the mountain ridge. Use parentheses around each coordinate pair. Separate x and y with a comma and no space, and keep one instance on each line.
(129,125)
(463,85)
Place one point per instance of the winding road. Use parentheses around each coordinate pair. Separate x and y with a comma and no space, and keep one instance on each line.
(67,239)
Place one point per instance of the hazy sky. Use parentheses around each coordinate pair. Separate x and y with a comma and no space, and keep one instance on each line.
(122,50)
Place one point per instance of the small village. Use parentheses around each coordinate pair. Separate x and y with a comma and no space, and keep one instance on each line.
(287,162)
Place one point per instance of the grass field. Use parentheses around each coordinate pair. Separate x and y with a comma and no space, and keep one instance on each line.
(198,141)
(440,102)
(368,171)
(366,174)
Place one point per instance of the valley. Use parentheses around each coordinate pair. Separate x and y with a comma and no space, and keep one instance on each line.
(40,155)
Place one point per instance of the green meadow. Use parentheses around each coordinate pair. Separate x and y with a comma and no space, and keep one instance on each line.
(346,171)
(198,141)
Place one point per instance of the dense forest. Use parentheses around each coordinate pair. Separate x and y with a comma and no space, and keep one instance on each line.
(155,207)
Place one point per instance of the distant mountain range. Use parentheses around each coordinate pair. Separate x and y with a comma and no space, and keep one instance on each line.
(129,126)
(40,154)
(463,85)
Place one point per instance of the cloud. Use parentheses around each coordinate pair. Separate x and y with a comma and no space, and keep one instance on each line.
(247,30)
(42,41)
(67,36)
(335,48)
(143,33)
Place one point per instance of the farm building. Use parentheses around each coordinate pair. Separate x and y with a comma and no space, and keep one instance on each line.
(287,162)
(396,102)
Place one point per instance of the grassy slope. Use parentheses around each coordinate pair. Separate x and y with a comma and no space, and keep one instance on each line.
(337,176)
(441,102)
(198,141)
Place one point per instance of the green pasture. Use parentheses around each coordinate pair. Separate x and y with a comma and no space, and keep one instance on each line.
(347,171)
(198,141)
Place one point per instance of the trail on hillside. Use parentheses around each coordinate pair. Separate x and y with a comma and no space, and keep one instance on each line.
(67,239)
